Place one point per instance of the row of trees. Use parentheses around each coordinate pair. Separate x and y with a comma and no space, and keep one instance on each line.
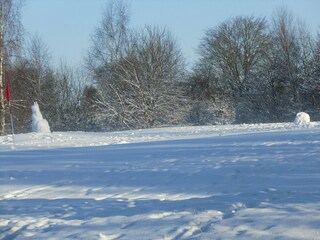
(265,72)
(248,71)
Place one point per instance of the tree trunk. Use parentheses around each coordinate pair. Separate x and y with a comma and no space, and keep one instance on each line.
(2,103)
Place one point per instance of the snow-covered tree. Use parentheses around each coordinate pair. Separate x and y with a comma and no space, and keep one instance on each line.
(10,40)
(136,72)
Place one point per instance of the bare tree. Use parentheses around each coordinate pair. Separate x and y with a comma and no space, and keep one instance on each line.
(147,79)
(10,38)
(236,50)
(65,109)
(313,84)
(285,55)
(110,38)
(231,57)
(39,59)
(135,72)
(33,80)
(289,68)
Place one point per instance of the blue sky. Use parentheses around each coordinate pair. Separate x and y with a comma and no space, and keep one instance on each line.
(66,25)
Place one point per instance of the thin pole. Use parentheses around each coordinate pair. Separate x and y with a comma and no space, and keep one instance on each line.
(12,128)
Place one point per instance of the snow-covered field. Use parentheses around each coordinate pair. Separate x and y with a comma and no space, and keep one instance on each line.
(219,182)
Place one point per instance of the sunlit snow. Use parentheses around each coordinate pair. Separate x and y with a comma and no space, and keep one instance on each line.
(215,182)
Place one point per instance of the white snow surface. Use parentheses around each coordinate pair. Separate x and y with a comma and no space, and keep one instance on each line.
(214,182)
(39,124)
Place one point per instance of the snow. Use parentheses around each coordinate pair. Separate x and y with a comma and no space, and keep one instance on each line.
(39,124)
(302,119)
(215,182)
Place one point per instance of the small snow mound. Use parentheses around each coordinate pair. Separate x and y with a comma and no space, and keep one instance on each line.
(109,237)
(39,124)
(302,119)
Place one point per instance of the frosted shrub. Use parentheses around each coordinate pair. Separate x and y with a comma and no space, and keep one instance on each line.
(302,119)
(39,124)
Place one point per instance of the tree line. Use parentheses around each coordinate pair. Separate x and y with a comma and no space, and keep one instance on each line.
(249,70)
